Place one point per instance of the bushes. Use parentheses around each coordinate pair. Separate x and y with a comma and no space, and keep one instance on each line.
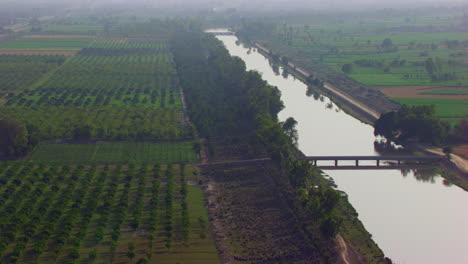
(417,122)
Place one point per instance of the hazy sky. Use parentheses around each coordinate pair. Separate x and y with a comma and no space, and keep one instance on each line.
(245,4)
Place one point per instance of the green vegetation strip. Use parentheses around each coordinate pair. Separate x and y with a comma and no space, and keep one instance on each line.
(34,43)
(115,152)
(444,107)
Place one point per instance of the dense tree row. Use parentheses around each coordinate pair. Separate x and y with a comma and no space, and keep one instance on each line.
(117,123)
(223,99)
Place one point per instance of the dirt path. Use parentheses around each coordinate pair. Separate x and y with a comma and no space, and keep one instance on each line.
(343,250)
(460,162)
(350,100)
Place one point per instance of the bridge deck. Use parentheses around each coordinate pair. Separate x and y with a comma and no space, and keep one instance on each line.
(222,33)
(384,158)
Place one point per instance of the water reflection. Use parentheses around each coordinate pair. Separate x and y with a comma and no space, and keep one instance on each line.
(421,174)
(285,73)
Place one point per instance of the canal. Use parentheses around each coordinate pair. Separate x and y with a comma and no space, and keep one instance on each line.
(414,217)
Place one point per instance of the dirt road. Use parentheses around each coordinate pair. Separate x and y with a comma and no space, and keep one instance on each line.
(343,250)
(460,162)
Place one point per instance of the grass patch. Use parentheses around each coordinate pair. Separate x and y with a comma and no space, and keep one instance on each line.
(115,152)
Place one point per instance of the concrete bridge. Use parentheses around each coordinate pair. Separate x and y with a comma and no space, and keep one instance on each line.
(393,161)
(223,33)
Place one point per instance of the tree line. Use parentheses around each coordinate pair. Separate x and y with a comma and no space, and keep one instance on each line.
(418,123)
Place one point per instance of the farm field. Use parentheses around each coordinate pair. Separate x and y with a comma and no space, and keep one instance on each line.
(116,89)
(66,42)
(424,92)
(82,29)
(102,214)
(111,72)
(398,54)
(452,110)
(395,58)
(115,153)
(20,72)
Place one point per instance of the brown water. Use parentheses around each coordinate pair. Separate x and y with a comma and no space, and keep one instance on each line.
(414,218)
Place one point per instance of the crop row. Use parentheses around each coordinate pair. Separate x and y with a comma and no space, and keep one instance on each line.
(139,97)
(103,80)
(128,43)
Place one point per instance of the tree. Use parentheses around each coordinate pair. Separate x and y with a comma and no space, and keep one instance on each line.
(330,226)
(142,261)
(92,255)
(430,66)
(413,122)
(347,68)
(460,131)
(13,138)
(289,127)
(387,43)
(448,151)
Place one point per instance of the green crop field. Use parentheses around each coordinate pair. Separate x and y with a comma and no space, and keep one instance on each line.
(116,89)
(110,72)
(448,92)
(84,214)
(46,42)
(115,152)
(18,72)
(381,50)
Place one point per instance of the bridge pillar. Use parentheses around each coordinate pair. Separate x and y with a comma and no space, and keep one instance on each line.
(378,163)
(357,163)
(336,163)
(399,162)
(315,162)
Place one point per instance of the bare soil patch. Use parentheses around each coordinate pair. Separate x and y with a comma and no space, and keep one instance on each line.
(415,91)
(252,220)
(462,151)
